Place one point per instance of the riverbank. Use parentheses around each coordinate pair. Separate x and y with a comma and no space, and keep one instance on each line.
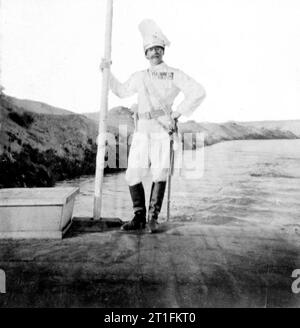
(41,145)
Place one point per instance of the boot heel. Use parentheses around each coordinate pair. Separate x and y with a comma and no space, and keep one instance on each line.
(153,226)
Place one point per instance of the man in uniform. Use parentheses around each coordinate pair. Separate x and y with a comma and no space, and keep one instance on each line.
(157,87)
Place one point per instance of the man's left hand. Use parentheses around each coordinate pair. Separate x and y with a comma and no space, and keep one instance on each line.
(105,64)
(174,118)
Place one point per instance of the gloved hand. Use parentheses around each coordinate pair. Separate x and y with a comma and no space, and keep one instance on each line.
(105,64)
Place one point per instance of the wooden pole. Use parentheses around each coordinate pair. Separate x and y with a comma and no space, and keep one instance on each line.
(100,160)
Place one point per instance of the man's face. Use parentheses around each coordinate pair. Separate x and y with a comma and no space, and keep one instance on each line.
(155,55)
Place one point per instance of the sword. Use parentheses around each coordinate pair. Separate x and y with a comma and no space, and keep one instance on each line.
(171,166)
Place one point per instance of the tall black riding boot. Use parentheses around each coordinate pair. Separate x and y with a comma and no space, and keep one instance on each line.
(139,208)
(155,203)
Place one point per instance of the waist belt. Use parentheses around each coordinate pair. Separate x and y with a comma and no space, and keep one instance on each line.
(151,115)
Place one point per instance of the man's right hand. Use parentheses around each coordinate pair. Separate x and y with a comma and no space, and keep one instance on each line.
(105,64)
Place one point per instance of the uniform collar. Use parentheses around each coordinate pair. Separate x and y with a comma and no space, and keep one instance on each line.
(157,67)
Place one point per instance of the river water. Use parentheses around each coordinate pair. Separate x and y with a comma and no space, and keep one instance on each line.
(244,182)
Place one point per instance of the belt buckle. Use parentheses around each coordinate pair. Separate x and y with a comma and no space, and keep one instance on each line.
(148,115)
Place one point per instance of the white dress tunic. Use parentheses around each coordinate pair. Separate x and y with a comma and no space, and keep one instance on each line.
(150,142)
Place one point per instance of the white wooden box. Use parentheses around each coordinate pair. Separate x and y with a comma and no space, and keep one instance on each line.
(36,212)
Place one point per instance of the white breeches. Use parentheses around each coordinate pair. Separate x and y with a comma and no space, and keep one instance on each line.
(150,149)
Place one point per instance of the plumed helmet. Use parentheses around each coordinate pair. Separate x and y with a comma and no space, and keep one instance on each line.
(152,35)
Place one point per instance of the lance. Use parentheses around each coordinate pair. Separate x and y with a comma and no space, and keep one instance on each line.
(100,159)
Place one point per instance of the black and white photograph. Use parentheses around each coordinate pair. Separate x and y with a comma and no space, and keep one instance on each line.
(150,156)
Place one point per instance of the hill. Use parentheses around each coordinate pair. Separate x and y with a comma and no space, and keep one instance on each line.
(118,116)
(41,144)
(215,132)
(38,149)
(286,125)
(37,107)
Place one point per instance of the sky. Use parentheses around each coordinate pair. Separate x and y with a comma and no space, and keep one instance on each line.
(246,53)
